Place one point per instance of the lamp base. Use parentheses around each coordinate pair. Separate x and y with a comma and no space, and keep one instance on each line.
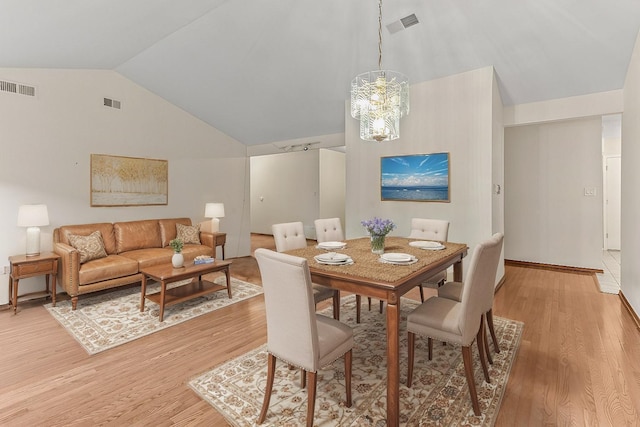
(33,241)
(215,225)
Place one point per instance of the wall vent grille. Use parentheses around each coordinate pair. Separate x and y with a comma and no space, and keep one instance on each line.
(17,88)
(410,20)
(112,103)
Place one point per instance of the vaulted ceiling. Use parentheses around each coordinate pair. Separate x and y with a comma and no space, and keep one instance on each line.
(266,71)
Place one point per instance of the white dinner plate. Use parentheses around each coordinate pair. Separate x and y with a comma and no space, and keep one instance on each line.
(397,257)
(332,245)
(332,257)
(426,244)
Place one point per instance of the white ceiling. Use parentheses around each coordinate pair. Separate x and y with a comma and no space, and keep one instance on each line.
(265,71)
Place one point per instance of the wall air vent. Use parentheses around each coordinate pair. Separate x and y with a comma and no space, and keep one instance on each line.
(17,88)
(112,103)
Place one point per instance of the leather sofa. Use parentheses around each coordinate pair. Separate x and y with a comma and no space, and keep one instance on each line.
(128,247)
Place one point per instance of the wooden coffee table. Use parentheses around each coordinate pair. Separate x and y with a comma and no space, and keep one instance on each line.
(166,274)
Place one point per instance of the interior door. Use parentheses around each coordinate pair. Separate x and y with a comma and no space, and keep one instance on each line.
(613,179)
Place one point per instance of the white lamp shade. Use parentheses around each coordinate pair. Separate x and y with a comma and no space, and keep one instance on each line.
(33,216)
(214,210)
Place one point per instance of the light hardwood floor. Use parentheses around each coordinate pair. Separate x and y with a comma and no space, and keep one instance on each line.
(578,362)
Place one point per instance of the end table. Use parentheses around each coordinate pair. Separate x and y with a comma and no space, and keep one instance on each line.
(23,266)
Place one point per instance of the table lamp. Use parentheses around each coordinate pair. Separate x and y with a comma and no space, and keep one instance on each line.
(214,211)
(32,217)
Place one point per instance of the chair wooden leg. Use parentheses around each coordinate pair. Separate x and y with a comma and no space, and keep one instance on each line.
(336,305)
(421,292)
(369,298)
(311,401)
(303,378)
(411,340)
(480,340)
(468,369)
(271,367)
(430,345)
(381,306)
(348,356)
(358,302)
(489,315)
(487,352)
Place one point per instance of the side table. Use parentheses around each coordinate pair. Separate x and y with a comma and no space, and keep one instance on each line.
(219,239)
(23,266)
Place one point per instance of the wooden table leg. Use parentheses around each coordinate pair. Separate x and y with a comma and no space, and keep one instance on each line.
(226,272)
(393,363)
(457,271)
(143,292)
(54,290)
(13,293)
(163,288)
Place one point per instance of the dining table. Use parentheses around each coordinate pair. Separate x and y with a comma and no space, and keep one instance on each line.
(371,276)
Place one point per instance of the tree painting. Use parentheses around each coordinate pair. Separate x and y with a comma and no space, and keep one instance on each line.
(128,181)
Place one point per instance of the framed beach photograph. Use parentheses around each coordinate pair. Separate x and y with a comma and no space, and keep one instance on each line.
(128,181)
(415,178)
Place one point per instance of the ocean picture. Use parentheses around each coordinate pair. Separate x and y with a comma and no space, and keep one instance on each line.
(419,177)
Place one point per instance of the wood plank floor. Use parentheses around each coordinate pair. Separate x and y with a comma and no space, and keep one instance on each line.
(578,363)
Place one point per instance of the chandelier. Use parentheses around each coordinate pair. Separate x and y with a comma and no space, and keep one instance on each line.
(379,98)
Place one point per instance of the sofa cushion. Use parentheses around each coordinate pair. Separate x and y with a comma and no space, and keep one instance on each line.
(168,229)
(150,256)
(110,267)
(188,233)
(90,247)
(105,229)
(136,235)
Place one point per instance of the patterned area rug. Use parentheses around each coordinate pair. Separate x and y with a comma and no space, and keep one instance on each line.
(439,395)
(107,320)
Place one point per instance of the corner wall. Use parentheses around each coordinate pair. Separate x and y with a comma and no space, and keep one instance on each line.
(630,226)
(47,141)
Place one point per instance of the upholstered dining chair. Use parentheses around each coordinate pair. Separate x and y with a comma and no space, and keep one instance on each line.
(453,290)
(459,322)
(289,236)
(295,333)
(330,230)
(430,229)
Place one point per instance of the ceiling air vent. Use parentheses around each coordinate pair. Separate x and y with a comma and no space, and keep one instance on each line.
(403,23)
(17,88)
(112,103)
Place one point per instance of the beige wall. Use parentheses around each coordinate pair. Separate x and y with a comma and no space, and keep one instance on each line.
(630,267)
(454,114)
(548,218)
(47,141)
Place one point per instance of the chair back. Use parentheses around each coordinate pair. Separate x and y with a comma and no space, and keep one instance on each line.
(429,229)
(288,236)
(329,230)
(292,331)
(479,285)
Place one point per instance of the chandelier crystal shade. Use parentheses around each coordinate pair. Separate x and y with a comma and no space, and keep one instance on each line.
(379,99)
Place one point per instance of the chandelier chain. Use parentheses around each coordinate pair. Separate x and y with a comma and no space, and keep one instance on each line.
(380,35)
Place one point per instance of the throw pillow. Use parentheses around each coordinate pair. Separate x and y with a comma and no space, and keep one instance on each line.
(188,233)
(90,247)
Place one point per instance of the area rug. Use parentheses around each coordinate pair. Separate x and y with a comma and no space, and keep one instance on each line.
(439,395)
(107,320)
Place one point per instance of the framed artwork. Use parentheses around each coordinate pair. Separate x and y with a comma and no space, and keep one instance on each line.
(128,181)
(415,178)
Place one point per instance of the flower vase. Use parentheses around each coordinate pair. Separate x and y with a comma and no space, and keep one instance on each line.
(377,243)
(177,260)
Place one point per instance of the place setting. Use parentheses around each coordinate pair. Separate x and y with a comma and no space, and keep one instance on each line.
(427,244)
(331,246)
(397,258)
(333,258)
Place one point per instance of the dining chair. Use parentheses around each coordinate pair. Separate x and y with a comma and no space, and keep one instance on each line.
(430,229)
(459,322)
(295,333)
(289,236)
(453,290)
(330,230)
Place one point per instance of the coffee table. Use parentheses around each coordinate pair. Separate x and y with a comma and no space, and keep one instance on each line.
(166,274)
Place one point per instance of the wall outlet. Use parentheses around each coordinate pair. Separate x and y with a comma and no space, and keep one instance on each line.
(589,191)
(6,269)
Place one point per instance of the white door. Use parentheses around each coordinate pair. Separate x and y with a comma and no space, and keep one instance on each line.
(613,178)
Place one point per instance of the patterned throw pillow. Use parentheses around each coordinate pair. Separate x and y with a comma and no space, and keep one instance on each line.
(90,247)
(188,233)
